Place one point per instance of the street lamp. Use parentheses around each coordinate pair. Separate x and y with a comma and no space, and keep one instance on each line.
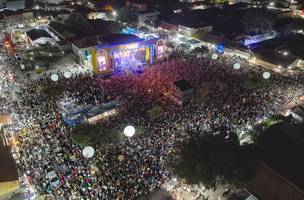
(266,75)
(129,131)
(88,152)
(114,13)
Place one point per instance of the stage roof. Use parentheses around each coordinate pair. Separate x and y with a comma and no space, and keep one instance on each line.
(119,38)
(112,39)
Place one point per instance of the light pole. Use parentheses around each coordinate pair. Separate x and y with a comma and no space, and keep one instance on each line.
(129,131)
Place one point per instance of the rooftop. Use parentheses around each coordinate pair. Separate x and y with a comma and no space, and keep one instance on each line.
(61,30)
(274,57)
(8,166)
(34,34)
(118,38)
(112,39)
(282,147)
(86,42)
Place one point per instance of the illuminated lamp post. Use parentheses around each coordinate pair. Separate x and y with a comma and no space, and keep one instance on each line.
(88,152)
(266,75)
(129,131)
(236,66)
(213,57)
(54,77)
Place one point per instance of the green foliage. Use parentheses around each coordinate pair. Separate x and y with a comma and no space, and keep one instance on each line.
(259,128)
(200,50)
(209,158)
(95,134)
(155,112)
(75,20)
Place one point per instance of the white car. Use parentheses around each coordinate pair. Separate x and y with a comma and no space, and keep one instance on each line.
(53,178)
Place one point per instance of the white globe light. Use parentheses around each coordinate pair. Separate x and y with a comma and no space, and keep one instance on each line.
(129,131)
(67,74)
(54,77)
(266,75)
(236,66)
(88,152)
(214,56)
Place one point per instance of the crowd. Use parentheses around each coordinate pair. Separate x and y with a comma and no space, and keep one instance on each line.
(137,166)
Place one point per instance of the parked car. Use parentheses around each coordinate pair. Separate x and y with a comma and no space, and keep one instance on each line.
(53,178)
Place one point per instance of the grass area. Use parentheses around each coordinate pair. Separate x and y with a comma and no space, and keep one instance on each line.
(253,82)
(54,91)
(96,134)
(275,119)
(155,112)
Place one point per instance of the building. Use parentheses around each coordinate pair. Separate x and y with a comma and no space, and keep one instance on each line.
(275,61)
(9,178)
(117,53)
(17,17)
(191,28)
(147,17)
(39,36)
(270,184)
(136,5)
(15,4)
(279,174)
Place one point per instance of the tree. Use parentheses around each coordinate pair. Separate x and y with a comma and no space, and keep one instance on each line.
(257,20)
(210,158)
(75,21)
(200,50)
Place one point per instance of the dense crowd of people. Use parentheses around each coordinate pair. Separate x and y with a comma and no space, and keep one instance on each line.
(137,166)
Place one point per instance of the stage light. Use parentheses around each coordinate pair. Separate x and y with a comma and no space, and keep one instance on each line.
(129,131)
